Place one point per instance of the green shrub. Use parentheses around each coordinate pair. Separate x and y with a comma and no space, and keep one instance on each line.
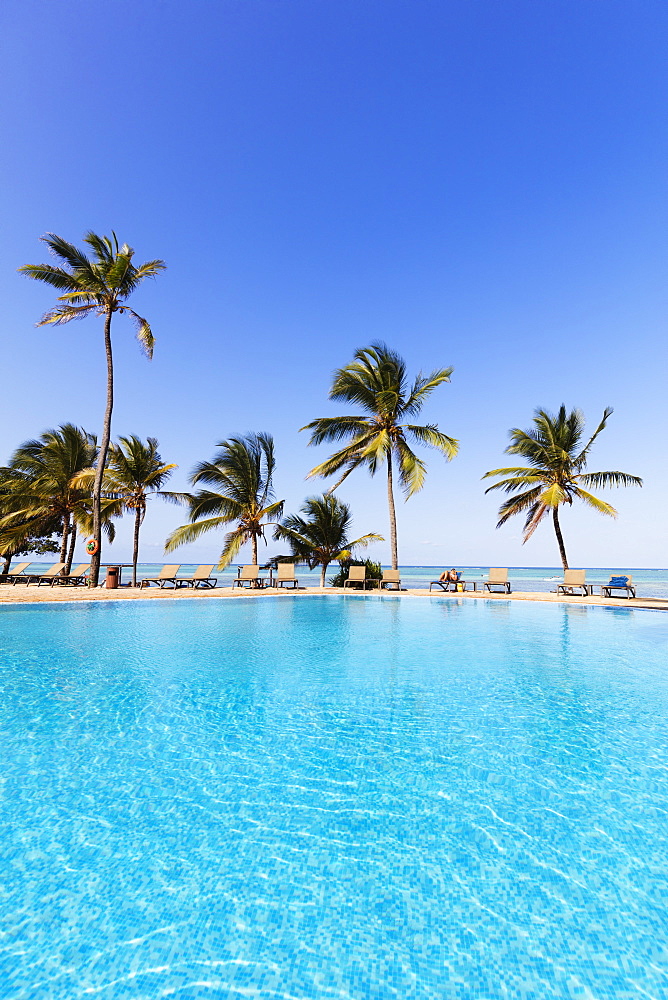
(374,571)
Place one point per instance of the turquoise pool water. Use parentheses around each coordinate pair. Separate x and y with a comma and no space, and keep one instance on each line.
(326,797)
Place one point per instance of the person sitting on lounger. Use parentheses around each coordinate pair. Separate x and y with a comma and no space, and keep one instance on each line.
(449,576)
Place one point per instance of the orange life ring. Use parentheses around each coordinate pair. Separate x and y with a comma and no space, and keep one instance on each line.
(91,546)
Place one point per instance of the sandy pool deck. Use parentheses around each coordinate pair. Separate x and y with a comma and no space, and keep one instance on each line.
(23,594)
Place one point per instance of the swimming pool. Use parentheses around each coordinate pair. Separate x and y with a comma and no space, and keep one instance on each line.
(325,797)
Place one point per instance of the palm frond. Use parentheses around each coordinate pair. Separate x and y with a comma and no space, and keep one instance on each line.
(423,386)
(14,536)
(412,470)
(206,502)
(176,498)
(599,505)
(534,517)
(151,269)
(364,541)
(285,533)
(554,494)
(54,276)
(64,314)
(232,543)
(517,505)
(71,255)
(377,447)
(512,470)
(515,483)
(375,380)
(273,510)
(350,455)
(580,459)
(191,532)
(144,334)
(606,480)
(104,248)
(85,297)
(121,268)
(430,435)
(337,428)
(354,463)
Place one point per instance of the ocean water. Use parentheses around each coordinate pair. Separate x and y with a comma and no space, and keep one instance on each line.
(333,797)
(651,583)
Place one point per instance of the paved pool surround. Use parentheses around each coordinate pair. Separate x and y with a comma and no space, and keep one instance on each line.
(19,594)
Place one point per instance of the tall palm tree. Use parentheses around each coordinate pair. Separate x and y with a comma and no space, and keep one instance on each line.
(321,535)
(135,471)
(377,382)
(555,474)
(242,472)
(97,285)
(41,492)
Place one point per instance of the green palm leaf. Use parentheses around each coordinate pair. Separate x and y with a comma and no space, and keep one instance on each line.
(191,532)
(423,387)
(412,470)
(431,436)
(599,505)
(606,480)
(337,428)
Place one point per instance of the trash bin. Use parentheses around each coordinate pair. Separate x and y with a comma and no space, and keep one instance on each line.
(113,573)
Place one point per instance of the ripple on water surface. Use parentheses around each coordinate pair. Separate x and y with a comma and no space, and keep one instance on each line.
(333,798)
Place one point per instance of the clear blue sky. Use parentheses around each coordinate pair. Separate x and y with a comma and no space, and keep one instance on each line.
(480,184)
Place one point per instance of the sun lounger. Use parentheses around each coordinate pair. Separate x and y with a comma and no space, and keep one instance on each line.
(77,576)
(200,578)
(249,575)
(497,578)
(166,575)
(619,581)
(391,578)
(445,585)
(11,574)
(357,575)
(574,579)
(285,573)
(49,576)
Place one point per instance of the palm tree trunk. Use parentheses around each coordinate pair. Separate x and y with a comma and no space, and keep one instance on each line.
(70,554)
(7,562)
(63,540)
(102,454)
(393,514)
(323,574)
(560,537)
(254,544)
(135,550)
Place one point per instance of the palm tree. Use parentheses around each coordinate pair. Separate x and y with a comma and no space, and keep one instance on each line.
(321,535)
(376,381)
(555,474)
(135,471)
(98,285)
(242,472)
(41,492)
